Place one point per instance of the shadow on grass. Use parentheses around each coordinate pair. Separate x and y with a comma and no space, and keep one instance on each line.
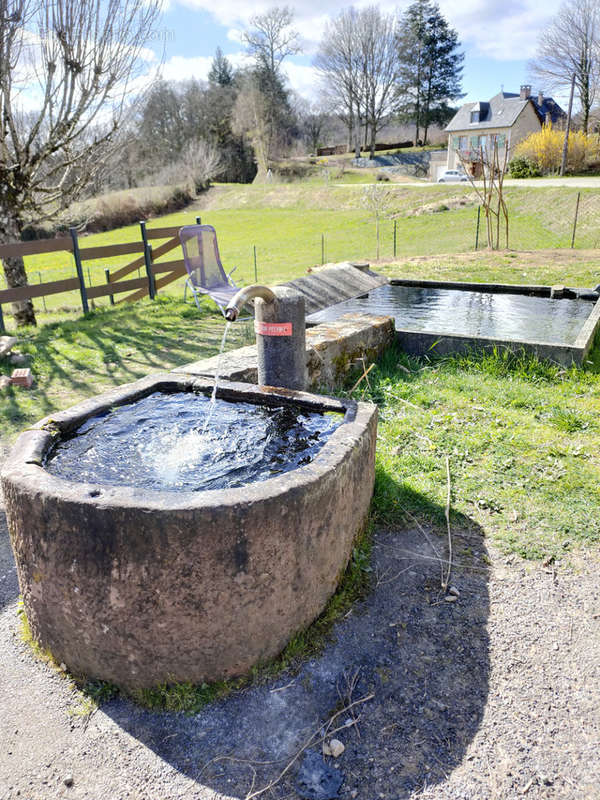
(75,359)
(423,656)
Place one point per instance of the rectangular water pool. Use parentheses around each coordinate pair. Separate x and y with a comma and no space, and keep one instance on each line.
(454,317)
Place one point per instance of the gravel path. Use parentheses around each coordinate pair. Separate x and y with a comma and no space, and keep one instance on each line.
(495,695)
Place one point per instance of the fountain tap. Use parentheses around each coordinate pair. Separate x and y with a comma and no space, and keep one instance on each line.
(237,302)
(280,333)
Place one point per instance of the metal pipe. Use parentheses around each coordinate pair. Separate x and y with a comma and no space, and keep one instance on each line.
(238,301)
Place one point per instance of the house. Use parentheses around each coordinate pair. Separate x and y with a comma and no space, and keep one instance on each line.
(506,119)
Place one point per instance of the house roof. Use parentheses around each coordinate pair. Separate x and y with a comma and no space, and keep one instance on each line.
(501,112)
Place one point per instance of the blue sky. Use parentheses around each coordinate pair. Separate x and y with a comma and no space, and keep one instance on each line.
(498,37)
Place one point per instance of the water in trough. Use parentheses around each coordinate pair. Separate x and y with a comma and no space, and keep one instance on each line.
(159,442)
(517,317)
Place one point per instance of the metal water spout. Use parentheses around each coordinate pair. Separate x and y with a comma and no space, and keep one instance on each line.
(279,323)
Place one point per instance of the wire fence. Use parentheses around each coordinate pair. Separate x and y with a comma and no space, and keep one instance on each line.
(362,238)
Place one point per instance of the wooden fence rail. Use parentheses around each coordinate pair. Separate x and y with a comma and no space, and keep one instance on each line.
(138,287)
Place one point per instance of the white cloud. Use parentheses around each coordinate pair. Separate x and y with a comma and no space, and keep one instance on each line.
(235,35)
(302,79)
(183,68)
(499,29)
(504,30)
(180,68)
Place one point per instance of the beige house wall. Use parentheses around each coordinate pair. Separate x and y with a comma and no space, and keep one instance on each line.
(527,122)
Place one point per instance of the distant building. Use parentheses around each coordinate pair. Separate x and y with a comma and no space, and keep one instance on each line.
(507,119)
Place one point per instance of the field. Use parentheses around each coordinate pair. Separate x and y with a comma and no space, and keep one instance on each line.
(526,466)
(297,225)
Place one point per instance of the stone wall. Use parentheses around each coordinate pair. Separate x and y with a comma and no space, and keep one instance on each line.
(333,349)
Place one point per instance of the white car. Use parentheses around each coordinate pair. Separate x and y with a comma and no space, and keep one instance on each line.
(449,175)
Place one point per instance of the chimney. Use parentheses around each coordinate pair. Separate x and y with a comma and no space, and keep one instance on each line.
(525,92)
(540,98)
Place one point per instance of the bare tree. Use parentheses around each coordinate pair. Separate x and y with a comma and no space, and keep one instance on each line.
(379,63)
(339,67)
(569,46)
(311,119)
(270,39)
(203,162)
(492,168)
(75,63)
(358,60)
(251,119)
(379,202)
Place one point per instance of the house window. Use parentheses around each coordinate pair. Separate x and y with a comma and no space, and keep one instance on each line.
(463,142)
(501,139)
(474,116)
(456,142)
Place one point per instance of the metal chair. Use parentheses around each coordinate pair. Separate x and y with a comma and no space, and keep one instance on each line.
(203,264)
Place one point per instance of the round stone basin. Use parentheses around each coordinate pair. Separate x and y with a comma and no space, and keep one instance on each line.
(140,587)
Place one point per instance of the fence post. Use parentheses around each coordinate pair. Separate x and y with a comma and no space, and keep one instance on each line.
(395,225)
(575,221)
(477,230)
(255,270)
(2,328)
(149,272)
(148,261)
(79,268)
(111,297)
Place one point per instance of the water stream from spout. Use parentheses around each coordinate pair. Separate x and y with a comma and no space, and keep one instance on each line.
(213,397)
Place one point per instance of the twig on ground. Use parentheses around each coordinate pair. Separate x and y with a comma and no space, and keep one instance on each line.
(447,512)
(427,539)
(283,688)
(528,786)
(310,743)
(363,376)
(402,400)
(420,556)
(346,696)
(382,582)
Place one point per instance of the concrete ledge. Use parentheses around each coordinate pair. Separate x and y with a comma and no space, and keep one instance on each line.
(419,343)
(332,350)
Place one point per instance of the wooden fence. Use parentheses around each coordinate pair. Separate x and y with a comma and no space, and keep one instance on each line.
(137,288)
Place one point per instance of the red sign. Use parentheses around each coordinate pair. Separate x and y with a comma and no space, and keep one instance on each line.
(273,328)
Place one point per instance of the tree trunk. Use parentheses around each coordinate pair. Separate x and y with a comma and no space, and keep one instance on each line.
(14,268)
(417,121)
(373,139)
(350,124)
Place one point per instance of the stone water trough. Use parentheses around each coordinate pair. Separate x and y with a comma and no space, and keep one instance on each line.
(140,588)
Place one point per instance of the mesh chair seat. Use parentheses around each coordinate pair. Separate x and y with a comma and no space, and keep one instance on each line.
(203,264)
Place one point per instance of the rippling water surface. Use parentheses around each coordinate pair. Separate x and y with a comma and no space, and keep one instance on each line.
(497,316)
(158,443)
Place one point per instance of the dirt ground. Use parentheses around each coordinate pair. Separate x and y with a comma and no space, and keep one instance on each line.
(494,695)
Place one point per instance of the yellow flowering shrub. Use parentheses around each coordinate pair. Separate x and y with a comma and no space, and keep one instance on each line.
(545,147)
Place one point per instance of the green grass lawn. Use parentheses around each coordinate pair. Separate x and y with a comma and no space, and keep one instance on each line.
(480,413)
(77,358)
(523,442)
(523,437)
(286,223)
